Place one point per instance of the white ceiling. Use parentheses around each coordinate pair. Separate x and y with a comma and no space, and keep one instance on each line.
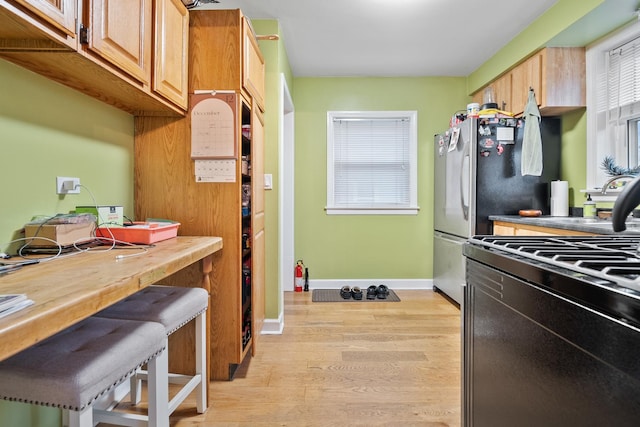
(390,38)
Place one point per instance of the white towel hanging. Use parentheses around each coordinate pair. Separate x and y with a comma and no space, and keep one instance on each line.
(531,161)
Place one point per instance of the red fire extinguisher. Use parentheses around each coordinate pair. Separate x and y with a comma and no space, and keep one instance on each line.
(298,279)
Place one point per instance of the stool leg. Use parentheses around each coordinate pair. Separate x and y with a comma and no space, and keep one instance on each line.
(158,384)
(135,383)
(201,362)
(82,418)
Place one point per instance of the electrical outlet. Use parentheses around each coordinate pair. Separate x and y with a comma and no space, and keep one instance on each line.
(67,185)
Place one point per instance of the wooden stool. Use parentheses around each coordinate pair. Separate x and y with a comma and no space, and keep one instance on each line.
(173,307)
(74,368)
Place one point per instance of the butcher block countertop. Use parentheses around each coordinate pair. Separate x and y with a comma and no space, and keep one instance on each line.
(584,225)
(69,289)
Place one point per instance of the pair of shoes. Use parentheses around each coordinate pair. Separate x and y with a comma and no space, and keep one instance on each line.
(379,292)
(346,292)
(382,292)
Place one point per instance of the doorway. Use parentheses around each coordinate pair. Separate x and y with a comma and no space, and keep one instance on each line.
(286,184)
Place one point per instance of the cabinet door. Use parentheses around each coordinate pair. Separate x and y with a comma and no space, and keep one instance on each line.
(524,76)
(120,32)
(171,50)
(252,65)
(61,14)
(502,89)
(257,223)
(502,230)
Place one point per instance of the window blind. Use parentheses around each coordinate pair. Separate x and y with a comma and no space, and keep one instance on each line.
(623,82)
(371,163)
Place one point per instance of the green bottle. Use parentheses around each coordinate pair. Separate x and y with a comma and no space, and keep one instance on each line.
(589,209)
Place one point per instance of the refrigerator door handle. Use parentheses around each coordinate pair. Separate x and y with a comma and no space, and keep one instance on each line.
(464,204)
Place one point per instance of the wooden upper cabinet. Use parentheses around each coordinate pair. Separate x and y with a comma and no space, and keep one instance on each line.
(253,65)
(557,75)
(110,57)
(563,80)
(120,31)
(38,25)
(526,75)
(501,92)
(170,77)
(61,14)
(502,88)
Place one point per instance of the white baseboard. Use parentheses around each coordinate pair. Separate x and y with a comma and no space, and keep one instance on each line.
(417,284)
(273,326)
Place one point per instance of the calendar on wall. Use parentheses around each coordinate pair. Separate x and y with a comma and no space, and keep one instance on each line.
(213,125)
(213,135)
(215,170)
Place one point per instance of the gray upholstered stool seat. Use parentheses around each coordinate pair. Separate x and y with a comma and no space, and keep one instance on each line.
(73,368)
(173,307)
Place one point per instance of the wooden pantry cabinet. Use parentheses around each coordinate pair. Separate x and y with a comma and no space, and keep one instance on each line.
(131,54)
(167,184)
(557,75)
(231,57)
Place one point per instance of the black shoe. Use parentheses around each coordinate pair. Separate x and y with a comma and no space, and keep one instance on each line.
(356,292)
(345,292)
(371,292)
(382,292)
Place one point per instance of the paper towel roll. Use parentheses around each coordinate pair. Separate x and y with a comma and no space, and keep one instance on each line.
(559,198)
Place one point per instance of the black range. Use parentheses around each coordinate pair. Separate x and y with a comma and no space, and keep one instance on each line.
(551,331)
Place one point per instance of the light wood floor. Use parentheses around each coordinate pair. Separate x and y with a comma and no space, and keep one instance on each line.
(347,364)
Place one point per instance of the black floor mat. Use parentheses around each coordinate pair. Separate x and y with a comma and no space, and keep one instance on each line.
(333,295)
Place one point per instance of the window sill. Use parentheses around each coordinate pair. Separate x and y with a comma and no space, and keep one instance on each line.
(371,211)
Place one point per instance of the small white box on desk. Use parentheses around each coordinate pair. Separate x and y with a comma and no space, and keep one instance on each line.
(111,216)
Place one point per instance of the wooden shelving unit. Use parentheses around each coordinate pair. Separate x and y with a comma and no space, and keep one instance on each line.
(166,185)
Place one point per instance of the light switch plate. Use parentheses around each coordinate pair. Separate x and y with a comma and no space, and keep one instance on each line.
(268,181)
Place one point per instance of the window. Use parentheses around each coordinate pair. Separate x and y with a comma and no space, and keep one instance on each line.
(613,103)
(372,162)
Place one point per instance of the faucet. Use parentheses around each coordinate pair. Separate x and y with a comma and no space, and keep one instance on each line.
(626,202)
(606,185)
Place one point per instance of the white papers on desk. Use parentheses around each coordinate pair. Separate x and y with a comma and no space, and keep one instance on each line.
(216,170)
(14,302)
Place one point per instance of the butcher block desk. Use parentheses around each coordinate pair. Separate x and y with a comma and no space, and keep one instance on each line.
(70,289)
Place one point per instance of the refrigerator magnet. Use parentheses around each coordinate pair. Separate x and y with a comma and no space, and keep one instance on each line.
(453,142)
(484,130)
(487,143)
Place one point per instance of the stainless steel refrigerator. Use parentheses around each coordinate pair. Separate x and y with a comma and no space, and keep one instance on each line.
(477,173)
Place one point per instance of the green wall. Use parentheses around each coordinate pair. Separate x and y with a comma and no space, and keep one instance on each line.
(366,246)
(277,63)
(47,130)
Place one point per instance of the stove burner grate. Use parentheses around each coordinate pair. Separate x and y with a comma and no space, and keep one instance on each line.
(613,258)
